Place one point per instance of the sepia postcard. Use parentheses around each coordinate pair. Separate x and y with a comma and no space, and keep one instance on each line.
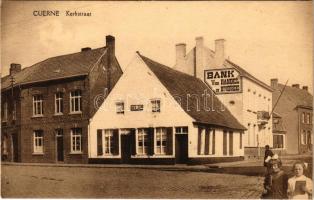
(157,99)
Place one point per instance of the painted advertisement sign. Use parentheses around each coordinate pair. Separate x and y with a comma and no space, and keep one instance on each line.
(223,81)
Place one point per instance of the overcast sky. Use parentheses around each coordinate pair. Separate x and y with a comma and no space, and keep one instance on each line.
(268,39)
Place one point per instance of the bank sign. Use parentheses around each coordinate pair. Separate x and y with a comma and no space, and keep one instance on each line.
(223,81)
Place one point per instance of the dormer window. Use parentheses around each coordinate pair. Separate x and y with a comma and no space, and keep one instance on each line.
(120,107)
(155,105)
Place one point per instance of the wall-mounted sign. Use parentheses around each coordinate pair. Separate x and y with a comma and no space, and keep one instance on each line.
(223,81)
(137,107)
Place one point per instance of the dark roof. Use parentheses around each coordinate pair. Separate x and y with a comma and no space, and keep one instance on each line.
(59,67)
(246,74)
(180,85)
(291,98)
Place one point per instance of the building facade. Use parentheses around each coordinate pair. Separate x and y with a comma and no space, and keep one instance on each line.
(279,134)
(247,98)
(296,110)
(46,107)
(165,116)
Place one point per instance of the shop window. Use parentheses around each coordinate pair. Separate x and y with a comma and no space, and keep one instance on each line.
(120,107)
(278,141)
(161,140)
(38,105)
(142,141)
(38,141)
(155,105)
(76,101)
(76,140)
(59,103)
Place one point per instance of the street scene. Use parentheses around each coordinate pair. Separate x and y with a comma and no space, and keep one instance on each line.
(153,99)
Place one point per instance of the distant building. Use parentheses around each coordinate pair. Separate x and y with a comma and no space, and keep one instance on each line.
(279,133)
(156,114)
(295,107)
(248,98)
(46,107)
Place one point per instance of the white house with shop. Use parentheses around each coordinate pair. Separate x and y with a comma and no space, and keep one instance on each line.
(247,98)
(156,114)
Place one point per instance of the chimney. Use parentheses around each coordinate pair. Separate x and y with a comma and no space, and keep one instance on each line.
(110,44)
(296,85)
(274,82)
(180,52)
(86,49)
(219,52)
(15,68)
(199,57)
(305,88)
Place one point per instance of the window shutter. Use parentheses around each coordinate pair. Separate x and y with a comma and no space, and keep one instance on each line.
(207,141)
(199,141)
(133,141)
(213,150)
(225,143)
(115,150)
(169,141)
(230,143)
(99,142)
(150,141)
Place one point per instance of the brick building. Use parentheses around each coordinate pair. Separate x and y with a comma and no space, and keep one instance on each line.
(295,107)
(46,107)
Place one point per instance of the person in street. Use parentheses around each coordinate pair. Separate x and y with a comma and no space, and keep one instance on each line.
(267,157)
(299,186)
(276,182)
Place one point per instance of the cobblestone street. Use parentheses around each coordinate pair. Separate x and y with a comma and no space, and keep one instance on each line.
(78,182)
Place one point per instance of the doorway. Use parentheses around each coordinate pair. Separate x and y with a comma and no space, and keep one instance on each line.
(181,148)
(60,150)
(15,153)
(126,145)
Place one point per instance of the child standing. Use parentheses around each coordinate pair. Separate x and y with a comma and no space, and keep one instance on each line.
(299,186)
(275,183)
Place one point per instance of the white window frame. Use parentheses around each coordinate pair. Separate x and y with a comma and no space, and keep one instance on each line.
(5,145)
(303,137)
(38,142)
(303,117)
(156,105)
(162,138)
(76,95)
(108,142)
(142,135)
(120,107)
(5,112)
(38,110)
(308,117)
(76,136)
(181,130)
(59,103)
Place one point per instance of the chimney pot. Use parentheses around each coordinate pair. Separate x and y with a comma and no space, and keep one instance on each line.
(15,68)
(86,49)
(199,41)
(305,88)
(110,43)
(296,85)
(219,52)
(274,82)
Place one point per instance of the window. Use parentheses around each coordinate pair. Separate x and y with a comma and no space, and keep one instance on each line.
(120,107)
(224,142)
(142,141)
(278,141)
(99,143)
(5,145)
(303,117)
(14,111)
(108,142)
(303,137)
(75,101)
(38,141)
(240,140)
(161,140)
(182,130)
(230,143)
(5,111)
(155,105)
(308,118)
(76,140)
(206,141)
(59,103)
(38,105)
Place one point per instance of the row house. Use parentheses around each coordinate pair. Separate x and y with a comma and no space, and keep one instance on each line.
(47,107)
(164,116)
(247,97)
(295,107)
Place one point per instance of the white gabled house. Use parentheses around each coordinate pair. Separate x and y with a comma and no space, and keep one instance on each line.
(156,114)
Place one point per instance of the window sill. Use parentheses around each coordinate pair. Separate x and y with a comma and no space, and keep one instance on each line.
(38,154)
(37,116)
(74,113)
(76,153)
(58,114)
(109,156)
(152,156)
